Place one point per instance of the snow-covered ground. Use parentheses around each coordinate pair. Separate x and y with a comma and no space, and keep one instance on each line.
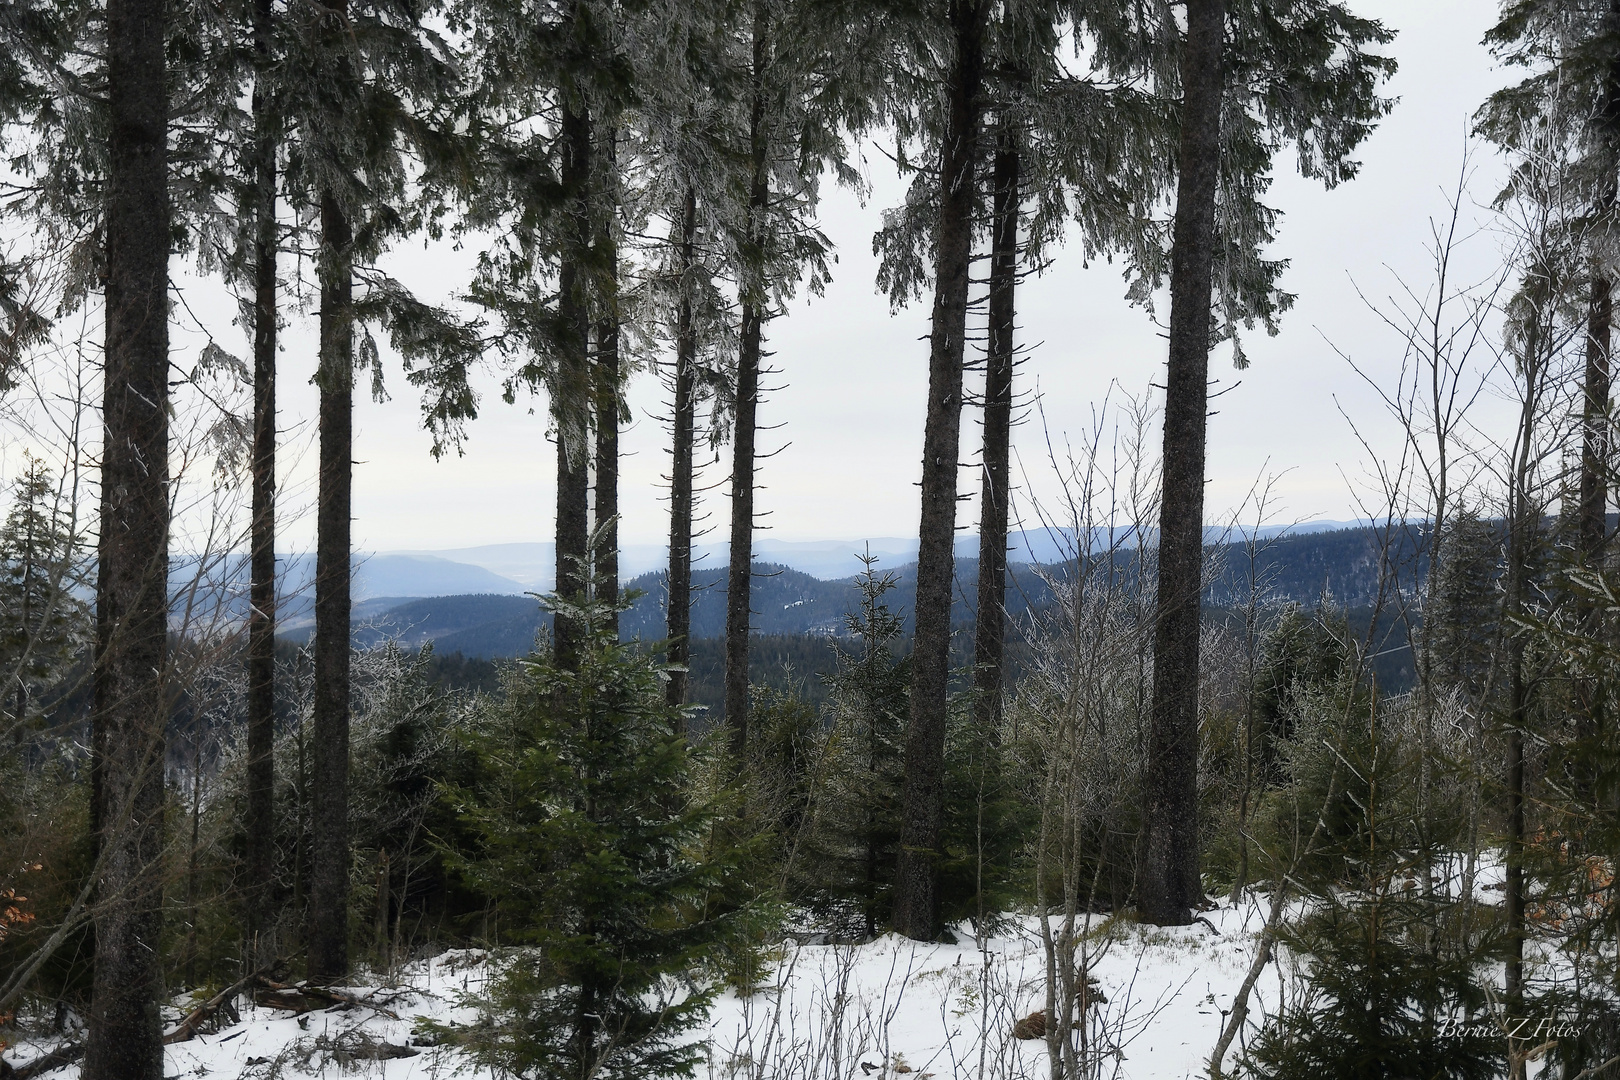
(885,1008)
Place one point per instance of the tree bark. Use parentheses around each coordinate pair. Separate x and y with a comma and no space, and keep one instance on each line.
(1596,435)
(328,939)
(608,382)
(678,616)
(916,901)
(132,700)
(259,825)
(989,638)
(1170,886)
(1524,524)
(573,394)
(1594,509)
(739,578)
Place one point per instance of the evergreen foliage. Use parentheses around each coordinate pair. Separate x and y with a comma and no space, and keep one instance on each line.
(1392,962)
(585,839)
(847,872)
(44,626)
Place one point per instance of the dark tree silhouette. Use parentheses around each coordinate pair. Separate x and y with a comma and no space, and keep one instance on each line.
(989,628)
(131,697)
(259,822)
(678,620)
(916,904)
(1170,887)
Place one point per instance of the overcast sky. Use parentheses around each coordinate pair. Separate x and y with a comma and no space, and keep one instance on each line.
(853,376)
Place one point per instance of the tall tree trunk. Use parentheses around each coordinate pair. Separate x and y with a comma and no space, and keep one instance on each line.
(739,578)
(1594,508)
(328,921)
(1524,525)
(989,638)
(573,394)
(132,701)
(1513,885)
(609,377)
(678,626)
(261,699)
(1169,886)
(1595,421)
(916,902)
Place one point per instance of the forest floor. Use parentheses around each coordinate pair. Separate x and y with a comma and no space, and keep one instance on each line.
(870,1011)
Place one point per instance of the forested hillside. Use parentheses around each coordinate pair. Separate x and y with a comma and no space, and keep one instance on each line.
(1100,771)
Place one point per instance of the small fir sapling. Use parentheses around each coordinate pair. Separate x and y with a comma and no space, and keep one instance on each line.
(599,865)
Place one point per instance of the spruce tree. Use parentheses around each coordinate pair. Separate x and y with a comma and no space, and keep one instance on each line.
(586,840)
(1170,887)
(683,424)
(132,696)
(1247,62)
(916,904)
(1391,974)
(1571,49)
(259,822)
(42,623)
(799,110)
(848,872)
(548,193)
(371,82)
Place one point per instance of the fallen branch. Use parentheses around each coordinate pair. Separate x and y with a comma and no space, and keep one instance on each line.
(1240,1002)
(1595,1069)
(186,1030)
(62,1055)
(337,997)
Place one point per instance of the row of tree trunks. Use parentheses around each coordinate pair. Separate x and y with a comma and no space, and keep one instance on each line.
(130,688)
(989,631)
(739,578)
(916,901)
(678,624)
(1169,887)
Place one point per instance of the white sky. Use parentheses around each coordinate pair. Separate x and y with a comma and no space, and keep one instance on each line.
(854,377)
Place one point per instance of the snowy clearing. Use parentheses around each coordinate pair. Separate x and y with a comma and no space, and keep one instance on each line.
(886,1007)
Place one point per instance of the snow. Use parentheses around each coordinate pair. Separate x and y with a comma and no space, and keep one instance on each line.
(879,1009)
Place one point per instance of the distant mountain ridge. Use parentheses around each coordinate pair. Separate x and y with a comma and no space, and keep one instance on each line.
(1341,564)
(530,567)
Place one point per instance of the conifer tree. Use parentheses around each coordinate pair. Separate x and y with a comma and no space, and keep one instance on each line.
(916,905)
(42,623)
(584,837)
(1572,51)
(131,692)
(1248,63)
(797,115)
(684,114)
(1068,153)
(995,492)
(1084,149)
(371,82)
(1170,887)
(259,822)
(1390,970)
(546,96)
(683,424)
(850,867)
